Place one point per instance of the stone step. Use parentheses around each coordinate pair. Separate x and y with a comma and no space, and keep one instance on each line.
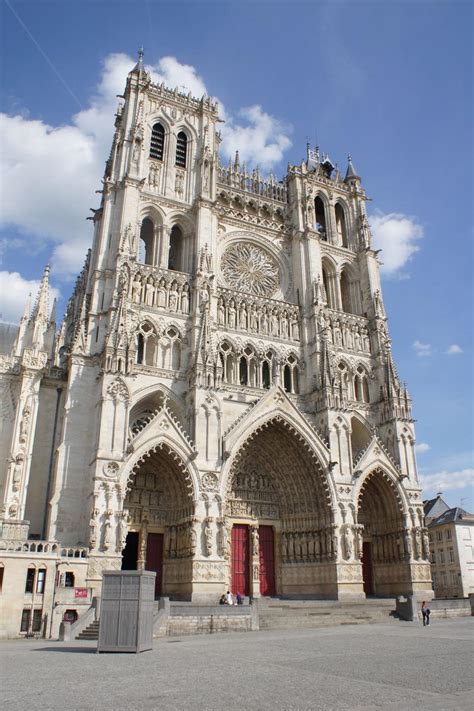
(91,632)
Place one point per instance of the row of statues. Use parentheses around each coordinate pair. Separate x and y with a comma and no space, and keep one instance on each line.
(159,292)
(345,333)
(279,321)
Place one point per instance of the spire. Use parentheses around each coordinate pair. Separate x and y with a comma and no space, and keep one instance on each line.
(350,172)
(22,330)
(139,68)
(27,311)
(52,318)
(41,308)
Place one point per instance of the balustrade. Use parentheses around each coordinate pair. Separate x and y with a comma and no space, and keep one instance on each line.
(252,183)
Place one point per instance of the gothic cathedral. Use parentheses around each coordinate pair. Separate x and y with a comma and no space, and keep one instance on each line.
(220,403)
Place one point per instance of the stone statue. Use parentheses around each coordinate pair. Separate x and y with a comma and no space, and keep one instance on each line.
(185,299)
(161,292)
(93,529)
(173,298)
(254,531)
(208,536)
(136,289)
(149,291)
(220,311)
(25,420)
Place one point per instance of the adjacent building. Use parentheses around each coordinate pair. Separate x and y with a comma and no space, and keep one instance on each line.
(451,535)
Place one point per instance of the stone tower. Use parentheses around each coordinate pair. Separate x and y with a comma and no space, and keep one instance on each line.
(229,410)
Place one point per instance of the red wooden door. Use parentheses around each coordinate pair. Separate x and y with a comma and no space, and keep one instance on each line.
(240,560)
(367,568)
(266,560)
(154,559)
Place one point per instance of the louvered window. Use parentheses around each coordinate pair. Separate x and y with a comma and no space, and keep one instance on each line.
(157,141)
(181,148)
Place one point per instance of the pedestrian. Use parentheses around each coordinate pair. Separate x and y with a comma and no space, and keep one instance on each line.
(239,598)
(229,598)
(425,611)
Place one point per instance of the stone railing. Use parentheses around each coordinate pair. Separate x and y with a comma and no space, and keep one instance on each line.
(161,288)
(263,317)
(253,182)
(43,547)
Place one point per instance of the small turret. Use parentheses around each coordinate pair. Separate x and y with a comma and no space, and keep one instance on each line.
(351,174)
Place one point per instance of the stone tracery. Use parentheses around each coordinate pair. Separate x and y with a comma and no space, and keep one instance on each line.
(250,269)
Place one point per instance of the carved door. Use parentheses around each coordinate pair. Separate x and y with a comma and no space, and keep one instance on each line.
(154,559)
(266,560)
(240,559)
(367,568)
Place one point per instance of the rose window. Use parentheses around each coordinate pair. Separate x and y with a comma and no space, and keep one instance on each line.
(251,269)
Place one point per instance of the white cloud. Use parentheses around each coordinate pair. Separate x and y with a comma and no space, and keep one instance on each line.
(397,235)
(422,350)
(446,481)
(59,167)
(15,290)
(454,349)
(174,74)
(262,141)
(422,448)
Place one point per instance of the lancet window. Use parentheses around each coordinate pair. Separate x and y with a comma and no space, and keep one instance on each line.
(320,215)
(181,149)
(257,370)
(161,351)
(341,225)
(157,142)
(361,385)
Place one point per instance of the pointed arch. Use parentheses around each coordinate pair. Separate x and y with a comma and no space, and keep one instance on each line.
(340,212)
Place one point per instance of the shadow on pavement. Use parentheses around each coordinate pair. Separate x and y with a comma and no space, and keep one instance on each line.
(73,650)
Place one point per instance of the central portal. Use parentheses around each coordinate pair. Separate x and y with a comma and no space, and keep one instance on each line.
(283,539)
(244,541)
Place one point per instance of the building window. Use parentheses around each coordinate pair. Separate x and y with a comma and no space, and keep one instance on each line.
(40,581)
(157,141)
(36,621)
(441,556)
(181,149)
(30,580)
(25,620)
(320,218)
(448,534)
(438,535)
(451,555)
(68,580)
(433,557)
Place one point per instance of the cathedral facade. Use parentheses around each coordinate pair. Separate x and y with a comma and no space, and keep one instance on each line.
(220,403)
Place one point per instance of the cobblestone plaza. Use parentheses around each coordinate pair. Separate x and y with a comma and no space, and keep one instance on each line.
(395,666)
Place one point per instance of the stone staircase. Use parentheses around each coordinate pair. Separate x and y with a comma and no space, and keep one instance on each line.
(91,632)
(186,618)
(298,614)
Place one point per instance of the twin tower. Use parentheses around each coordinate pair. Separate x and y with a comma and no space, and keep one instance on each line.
(220,403)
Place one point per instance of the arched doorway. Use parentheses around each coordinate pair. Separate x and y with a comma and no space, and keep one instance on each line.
(385,554)
(277,506)
(161,533)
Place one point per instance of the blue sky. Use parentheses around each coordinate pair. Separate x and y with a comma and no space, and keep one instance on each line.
(388,82)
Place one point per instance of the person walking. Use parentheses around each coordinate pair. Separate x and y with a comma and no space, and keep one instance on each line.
(425,611)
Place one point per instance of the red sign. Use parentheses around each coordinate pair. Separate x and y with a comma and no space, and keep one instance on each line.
(80,592)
